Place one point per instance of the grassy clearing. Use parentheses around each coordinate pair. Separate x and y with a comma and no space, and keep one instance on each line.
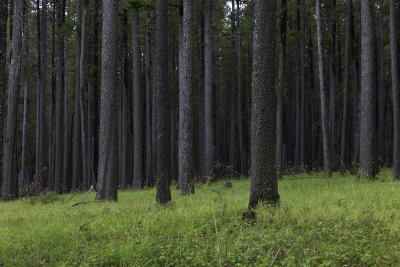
(319,222)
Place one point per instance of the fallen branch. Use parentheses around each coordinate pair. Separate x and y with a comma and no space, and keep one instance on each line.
(79,203)
(215,191)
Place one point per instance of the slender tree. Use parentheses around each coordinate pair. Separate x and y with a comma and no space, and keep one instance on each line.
(324,112)
(59,153)
(264,185)
(162,105)
(381,89)
(368,95)
(108,179)
(395,91)
(149,154)
(185,158)
(9,191)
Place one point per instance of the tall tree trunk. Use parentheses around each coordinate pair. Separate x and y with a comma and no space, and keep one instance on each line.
(76,143)
(185,150)
(368,94)
(395,90)
(343,150)
(208,91)
(264,185)
(108,179)
(82,86)
(138,171)
(59,153)
(41,158)
(66,173)
(242,153)
(233,151)
(381,90)
(149,158)
(281,86)
(162,104)
(3,74)
(9,191)
(324,112)
(332,81)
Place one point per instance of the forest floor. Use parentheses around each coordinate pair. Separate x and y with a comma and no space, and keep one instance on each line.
(339,221)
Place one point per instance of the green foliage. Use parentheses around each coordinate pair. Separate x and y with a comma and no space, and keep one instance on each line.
(335,222)
(136,4)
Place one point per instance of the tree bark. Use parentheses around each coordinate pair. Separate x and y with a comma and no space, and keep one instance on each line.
(233,152)
(368,95)
(59,153)
(138,171)
(149,157)
(324,113)
(264,185)
(3,73)
(9,191)
(76,143)
(185,150)
(108,179)
(162,105)
(381,90)
(208,94)
(395,91)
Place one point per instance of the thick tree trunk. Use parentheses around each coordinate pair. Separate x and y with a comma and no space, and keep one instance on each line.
(76,143)
(59,153)
(185,151)
(368,94)
(3,74)
(9,191)
(395,91)
(324,112)
(264,185)
(208,91)
(138,171)
(108,179)
(381,91)
(162,105)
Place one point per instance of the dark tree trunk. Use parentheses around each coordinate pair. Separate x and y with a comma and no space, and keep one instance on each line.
(3,74)
(381,90)
(368,94)
(149,158)
(41,158)
(264,185)
(67,150)
(138,171)
(324,112)
(59,153)
(9,191)
(281,86)
(108,179)
(82,86)
(332,81)
(185,150)
(162,142)
(208,91)
(343,150)
(76,143)
(395,90)
(233,153)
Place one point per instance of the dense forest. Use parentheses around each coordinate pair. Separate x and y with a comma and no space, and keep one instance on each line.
(140,93)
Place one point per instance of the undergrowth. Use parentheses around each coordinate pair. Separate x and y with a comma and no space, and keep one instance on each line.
(339,222)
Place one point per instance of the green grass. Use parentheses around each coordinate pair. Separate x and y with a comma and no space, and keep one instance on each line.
(336,222)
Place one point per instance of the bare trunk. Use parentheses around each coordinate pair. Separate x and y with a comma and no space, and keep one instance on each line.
(381,90)
(3,74)
(9,191)
(149,158)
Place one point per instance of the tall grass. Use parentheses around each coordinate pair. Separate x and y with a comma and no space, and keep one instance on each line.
(339,221)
